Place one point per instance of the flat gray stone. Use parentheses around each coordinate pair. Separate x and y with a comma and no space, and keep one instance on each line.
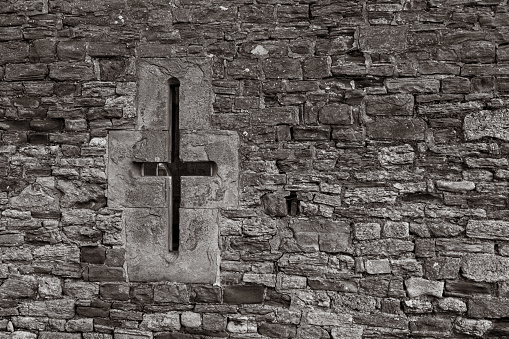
(147,255)
(485,267)
(487,124)
(220,190)
(126,186)
(195,101)
(488,229)
(418,286)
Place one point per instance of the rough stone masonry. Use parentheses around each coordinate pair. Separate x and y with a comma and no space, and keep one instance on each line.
(372,159)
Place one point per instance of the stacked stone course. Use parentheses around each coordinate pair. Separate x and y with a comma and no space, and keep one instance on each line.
(374,168)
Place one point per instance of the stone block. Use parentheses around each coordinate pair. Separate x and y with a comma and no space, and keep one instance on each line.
(472,327)
(442,268)
(169,321)
(413,85)
(316,68)
(147,233)
(72,71)
(126,186)
(396,155)
(190,319)
(214,322)
(205,294)
(80,325)
(336,114)
(277,115)
(455,186)
(277,330)
(389,105)
(114,291)
(418,286)
(220,190)
(380,266)
(274,205)
(58,308)
(93,255)
(397,129)
(385,247)
(19,286)
(71,50)
(383,38)
(23,72)
(312,133)
(105,273)
(40,196)
(477,52)
(322,318)
(49,287)
(282,68)
(456,85)
(451,305)
(173,293)
(366,231)
(485,267)
(395,229)
(487,124)
(488,307)
(13,52)
(243,294)
(417,306)
(488,229)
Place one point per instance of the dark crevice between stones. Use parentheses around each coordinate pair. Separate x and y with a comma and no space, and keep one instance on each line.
(292,204)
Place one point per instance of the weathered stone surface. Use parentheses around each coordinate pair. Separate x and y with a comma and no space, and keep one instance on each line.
(442,268)
(488,229)
(274,205)
(487,124)
(455,186)
(174,293)
(322,318)
(336,115)
(397,129)
(472,327)
(488,307)
(389,105)
(18,287)
(277,330)
(17,72)
(385,247)
(243,294)
(161,322)
(366,231)
(59,308)
(485,267)
(413,85)
(39,196)
(380,266)
(452,305)
(383,38)
(396,155)
(417,286)
(221,190)
(194,75)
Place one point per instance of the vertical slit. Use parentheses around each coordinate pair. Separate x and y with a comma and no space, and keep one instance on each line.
(174,231)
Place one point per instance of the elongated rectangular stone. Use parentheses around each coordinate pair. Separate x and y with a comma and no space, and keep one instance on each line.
(383,38)
(488,307)
(397,129)
(485,267)
(413,85)
(397,104)
(488,229)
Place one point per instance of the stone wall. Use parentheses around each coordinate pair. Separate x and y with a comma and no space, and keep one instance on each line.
(374,165)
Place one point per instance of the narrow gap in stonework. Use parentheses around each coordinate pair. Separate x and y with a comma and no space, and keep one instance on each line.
(174,231)
(292,204)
